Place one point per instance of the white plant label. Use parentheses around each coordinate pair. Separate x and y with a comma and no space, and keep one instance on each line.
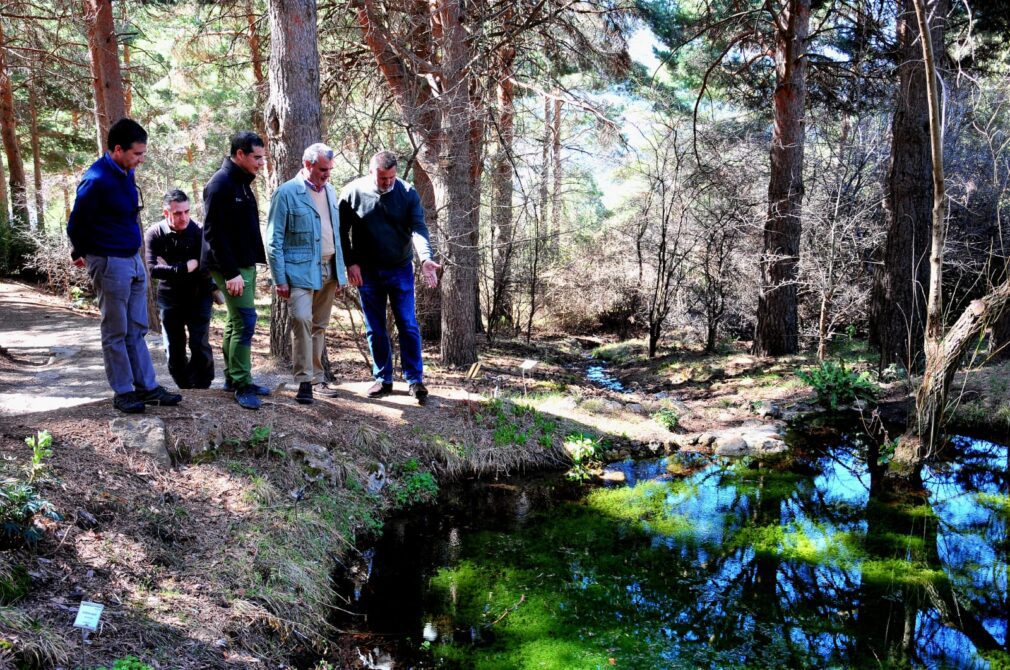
(88,615)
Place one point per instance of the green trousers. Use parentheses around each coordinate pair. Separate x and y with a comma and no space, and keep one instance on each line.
(239,329)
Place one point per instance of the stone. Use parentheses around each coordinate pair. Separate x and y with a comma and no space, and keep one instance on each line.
(661,395)
(767,408)
(85,519)
(635,407)
(202,435)
(146,435)
(731,445)
(706,439)
(317,462)
(613,476)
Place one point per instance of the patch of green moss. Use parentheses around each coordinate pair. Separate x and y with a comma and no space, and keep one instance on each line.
(996,503)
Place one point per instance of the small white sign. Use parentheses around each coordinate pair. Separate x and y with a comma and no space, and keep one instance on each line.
(88,615)
(528,364)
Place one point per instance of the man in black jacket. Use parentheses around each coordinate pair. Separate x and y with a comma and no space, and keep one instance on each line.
(185,292)
(234,247)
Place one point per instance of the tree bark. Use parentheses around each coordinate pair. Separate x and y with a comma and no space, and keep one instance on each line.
(17,230)
(293,117)
(40,202)
(500,300)
(899,293)
(110,101)
(777,330)
(260,84)
(943,353)
(556,196)
(439,110)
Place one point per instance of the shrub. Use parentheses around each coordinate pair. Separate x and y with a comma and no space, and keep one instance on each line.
(129,663)
(414,485)
(836,385)
(584,452)
(667,418)
(20,507)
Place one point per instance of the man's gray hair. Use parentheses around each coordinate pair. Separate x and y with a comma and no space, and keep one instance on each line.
(316,150)
(382,161)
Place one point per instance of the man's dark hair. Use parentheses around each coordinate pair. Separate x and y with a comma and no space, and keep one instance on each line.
(125,133)
(245,141)
(382,161)
(175,195)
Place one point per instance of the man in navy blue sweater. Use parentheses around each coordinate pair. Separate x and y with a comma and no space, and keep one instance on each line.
(105,235)
(381,227)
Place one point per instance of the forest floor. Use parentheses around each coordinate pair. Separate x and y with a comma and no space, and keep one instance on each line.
(224,559)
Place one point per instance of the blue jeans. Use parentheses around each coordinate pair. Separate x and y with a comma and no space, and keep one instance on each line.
(190,313)
(121,285)
(395,286)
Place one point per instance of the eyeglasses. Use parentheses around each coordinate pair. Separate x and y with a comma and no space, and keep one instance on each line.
(140,201)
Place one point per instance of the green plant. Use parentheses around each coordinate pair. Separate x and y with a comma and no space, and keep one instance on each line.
(414,486)
(836,385)
(584,452)
(20,507)
(887,451)
(667,418)
(41,444)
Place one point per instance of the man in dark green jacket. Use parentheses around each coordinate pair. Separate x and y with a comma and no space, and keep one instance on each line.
(234,247)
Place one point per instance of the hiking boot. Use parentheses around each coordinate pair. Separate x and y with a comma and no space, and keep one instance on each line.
(379,389)
(419,392)
(159,395)
(304,395)
(257,389)
(247,398)
(325,390)
(128,403)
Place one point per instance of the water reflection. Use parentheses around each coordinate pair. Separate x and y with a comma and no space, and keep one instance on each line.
(725,566)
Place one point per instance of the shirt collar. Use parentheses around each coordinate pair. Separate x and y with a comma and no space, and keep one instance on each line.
(116,165)
(305,177)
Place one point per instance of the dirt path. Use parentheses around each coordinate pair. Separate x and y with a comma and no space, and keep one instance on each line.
(51,355)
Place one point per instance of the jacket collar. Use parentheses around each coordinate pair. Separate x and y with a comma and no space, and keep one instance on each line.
(235,172)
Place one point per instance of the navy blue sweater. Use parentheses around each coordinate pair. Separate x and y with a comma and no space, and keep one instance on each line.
(104,219)
(381,231)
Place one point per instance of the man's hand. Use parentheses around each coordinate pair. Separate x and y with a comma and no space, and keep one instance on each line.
(235,286)
(283,291)
(430,269)
(192,264)
(79,262)
(354,275)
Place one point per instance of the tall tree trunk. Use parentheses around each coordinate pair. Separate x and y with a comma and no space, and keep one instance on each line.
(40,202)
(260,84)
(777,330)
(459,342)
(899,291)
(556,195)
(293,116)
(500,300)
(923,438)
(110,101)
(438,108)
(17,231)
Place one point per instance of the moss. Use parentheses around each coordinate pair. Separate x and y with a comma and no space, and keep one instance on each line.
(620,352)
(997,503)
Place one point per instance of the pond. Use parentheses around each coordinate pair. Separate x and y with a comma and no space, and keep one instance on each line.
(695,562)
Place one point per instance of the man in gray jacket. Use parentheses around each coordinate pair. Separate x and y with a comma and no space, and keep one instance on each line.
(303,247)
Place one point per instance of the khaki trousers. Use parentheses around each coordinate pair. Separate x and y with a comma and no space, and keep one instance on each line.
(310,314)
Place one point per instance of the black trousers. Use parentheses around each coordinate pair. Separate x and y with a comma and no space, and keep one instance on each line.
(181,315)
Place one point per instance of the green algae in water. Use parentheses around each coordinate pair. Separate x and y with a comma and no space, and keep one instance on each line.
(727,567)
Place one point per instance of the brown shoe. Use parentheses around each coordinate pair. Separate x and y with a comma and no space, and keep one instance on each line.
(324,390)
(379,389)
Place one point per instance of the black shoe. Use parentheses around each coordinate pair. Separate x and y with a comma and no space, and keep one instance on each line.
(325,390)
(159,396)
(418,391)
(304,395)
(379,389)
(128,403)
(247,398)
(257,389)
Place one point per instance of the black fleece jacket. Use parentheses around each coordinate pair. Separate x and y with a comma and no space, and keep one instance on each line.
(231,222)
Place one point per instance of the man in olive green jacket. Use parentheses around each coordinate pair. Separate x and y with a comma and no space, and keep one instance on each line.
(303,247)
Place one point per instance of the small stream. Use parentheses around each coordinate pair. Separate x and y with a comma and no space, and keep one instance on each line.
(693,562)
